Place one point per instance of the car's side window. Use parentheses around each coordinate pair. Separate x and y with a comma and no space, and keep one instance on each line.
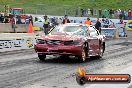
(93,32)
(96,30)
(85,28)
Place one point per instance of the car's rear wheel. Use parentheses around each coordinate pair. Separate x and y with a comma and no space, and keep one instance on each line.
(101,52)
(41,57)
(102,49)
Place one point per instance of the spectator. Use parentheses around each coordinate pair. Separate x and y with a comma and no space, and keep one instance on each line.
(125,15)
(129,14)
(88,22)
(36,19)
(0,18)
(91,10)
(59,21)
(6,20)
(98,25)
(46,25)
(121,21)
(82,12)
(74,21)
(65,20)
(125,28)
(13,23)
(100,12)
(112,24)
(56,21)
(53,20)
(110,12)
(31,19)
(120,16)
(106,23)
(27,20)
(19,20)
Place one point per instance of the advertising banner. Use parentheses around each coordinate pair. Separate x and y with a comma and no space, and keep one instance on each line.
(7,44)
(129,25)
(108,32)
(121,30)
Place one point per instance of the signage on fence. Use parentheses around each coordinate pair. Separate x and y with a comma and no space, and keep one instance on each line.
(129,25)
(121,30)
(23,43)
(108,32)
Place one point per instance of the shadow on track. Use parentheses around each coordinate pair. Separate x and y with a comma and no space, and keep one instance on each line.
(66,60)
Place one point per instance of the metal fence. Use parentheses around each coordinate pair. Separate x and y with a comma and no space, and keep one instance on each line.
(77,11)
(74,10)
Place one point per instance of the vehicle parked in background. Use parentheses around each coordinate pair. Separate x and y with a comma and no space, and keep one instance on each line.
(19,13)
(73,39)
(38,22)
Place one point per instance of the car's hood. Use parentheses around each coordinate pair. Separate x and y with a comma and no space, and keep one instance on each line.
(62,36)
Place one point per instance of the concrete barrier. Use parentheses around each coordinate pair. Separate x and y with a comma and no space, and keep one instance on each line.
(8,28)
(21,28)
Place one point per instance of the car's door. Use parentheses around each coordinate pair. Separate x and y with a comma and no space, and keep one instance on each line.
(94,42)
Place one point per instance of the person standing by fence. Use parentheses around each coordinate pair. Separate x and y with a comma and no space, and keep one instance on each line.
(65,20)
(31,19)
(13,23)
(129,14)
(46,25)
(98,25)
(88,22)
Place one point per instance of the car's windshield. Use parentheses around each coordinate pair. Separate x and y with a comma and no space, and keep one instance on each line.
(78,30)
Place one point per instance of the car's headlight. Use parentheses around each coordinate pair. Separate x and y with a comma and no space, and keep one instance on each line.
(40,41)
(71,42)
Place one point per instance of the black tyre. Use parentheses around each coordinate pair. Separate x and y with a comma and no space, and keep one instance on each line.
(101,52)
(42,57)
(80,79)
(102,49)
(84,55)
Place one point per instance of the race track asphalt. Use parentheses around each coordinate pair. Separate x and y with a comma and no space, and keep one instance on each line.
(22,69)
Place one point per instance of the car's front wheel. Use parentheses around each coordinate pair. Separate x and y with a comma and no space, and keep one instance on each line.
(84,53)
(41,57)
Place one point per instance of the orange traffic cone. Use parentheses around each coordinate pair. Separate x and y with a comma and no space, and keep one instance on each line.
(30,28)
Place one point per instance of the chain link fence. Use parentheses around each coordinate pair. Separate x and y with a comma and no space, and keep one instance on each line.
(52,9)
(75,10)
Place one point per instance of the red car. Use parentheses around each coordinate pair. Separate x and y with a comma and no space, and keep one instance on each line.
(73,39)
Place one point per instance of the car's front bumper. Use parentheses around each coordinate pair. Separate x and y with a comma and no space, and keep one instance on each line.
(58,49)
